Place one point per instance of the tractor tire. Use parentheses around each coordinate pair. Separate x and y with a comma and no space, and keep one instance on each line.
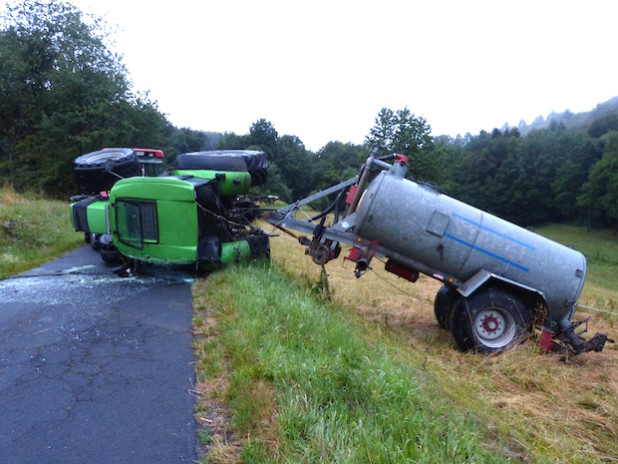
(95,241)
(98,171)
(109,253)
(110,256)
(253,162)
(490,321)
(446,298)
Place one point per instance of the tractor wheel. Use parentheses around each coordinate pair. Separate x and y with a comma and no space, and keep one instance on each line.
(490,321)
(95,241)
(100,170)
(110,256)
(253,162)
(443,305)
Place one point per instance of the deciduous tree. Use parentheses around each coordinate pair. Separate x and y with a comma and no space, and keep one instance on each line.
(404,133)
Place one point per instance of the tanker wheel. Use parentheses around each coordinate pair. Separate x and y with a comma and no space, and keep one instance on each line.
(490,321)
(443,305)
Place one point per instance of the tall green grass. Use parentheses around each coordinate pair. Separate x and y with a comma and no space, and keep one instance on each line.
(326,393)
(32,231)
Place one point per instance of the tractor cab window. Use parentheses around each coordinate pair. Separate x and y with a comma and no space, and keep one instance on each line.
(150,161)
(136,222)
(151,169)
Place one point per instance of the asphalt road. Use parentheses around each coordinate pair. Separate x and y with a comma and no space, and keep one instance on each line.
(96,368)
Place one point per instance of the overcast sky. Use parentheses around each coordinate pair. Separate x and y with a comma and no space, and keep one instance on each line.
(323,69)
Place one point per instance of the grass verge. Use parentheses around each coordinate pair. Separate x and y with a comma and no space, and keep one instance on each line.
(32,231)
(305,385)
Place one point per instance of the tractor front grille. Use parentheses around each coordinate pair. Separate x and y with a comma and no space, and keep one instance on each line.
(150,228)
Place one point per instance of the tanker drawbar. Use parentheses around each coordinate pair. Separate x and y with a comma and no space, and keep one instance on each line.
(500,280)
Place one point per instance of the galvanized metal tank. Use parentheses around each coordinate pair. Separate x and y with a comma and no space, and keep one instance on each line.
(457,239)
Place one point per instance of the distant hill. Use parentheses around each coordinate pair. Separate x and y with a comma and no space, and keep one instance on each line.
(601,119)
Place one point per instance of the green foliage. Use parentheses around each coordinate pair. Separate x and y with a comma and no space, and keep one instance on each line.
(342,158)
(403,133)
(264,135)
(603,125)
(551,174)
(294,172)
(542,177)
(63,93)
(600,196)
(294,163)
(231,141)
(185,140)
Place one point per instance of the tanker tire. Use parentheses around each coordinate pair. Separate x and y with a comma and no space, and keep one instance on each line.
(446,298)
(490,321)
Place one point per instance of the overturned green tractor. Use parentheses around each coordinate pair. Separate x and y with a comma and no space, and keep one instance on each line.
(198,216)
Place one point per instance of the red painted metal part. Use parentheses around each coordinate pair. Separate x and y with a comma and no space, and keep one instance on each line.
(401,271)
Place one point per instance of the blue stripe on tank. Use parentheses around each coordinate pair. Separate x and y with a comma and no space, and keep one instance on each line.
(487,252)
(493,231)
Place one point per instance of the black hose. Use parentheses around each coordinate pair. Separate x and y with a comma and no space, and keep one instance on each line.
(331,207)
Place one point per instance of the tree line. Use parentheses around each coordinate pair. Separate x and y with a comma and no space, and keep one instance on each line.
(550,175)
(64,93)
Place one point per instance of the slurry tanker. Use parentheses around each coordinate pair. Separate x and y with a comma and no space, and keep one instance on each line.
(499,280)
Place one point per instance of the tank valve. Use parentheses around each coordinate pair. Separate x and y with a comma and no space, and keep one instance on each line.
(362,265)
